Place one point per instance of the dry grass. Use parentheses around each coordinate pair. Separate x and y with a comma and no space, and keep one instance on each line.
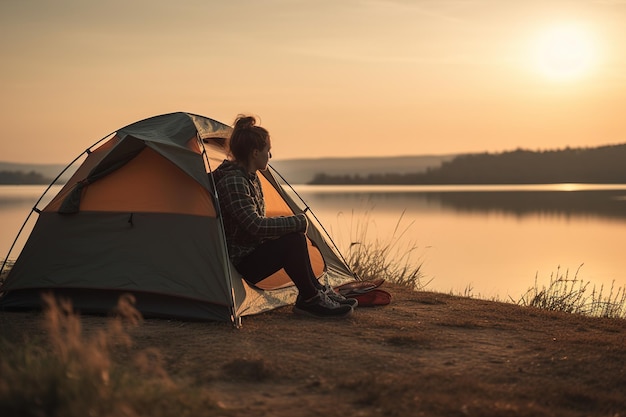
(394,259)
(574,295)
(69,373)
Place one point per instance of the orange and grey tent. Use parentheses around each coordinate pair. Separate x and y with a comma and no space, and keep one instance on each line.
(139,216)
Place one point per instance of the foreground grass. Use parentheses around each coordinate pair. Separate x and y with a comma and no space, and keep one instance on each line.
(67,373)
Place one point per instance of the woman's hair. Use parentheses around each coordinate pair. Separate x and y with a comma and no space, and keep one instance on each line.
(247,137)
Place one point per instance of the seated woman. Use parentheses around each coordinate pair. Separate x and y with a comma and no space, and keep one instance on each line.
(259,246)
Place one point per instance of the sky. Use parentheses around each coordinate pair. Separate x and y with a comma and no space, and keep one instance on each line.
(327,78)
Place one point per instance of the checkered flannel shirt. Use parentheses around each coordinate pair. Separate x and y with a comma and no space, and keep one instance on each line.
(243,210)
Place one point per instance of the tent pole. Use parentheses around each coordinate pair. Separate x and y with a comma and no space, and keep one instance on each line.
(235,318)
(319,223)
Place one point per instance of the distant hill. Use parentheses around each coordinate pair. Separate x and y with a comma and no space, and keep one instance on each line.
(303,171)
(296,171)
(604,164)
(21,177)
(45,173)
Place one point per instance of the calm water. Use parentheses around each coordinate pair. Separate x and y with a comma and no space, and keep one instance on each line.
(493,240)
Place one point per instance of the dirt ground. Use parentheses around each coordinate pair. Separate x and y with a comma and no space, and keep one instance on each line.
(426,354)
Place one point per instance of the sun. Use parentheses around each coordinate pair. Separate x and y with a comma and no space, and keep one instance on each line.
(564,52)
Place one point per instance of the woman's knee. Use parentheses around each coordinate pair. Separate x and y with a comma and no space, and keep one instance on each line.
(296,238)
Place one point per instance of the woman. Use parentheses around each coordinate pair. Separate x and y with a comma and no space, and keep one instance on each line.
(259,246)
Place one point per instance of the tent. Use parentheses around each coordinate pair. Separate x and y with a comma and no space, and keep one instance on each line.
(139,216)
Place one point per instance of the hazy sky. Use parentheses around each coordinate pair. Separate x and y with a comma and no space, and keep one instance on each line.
(327,77)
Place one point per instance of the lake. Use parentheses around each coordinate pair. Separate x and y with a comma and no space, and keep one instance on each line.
(485,241)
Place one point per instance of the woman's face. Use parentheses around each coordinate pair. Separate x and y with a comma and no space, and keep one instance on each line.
(260,158)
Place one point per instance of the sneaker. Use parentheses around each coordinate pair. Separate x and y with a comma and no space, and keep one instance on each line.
(322,306)
(335,296)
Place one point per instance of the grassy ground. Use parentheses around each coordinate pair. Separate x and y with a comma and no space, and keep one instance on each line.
(426,354)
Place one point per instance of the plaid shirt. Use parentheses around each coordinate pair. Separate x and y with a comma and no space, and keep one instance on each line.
(243,211)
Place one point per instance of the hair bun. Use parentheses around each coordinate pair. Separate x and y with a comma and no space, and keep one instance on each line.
(244,122)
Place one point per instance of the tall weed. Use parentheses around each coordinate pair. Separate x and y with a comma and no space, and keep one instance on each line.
(573,295)
(394,259)
(69,373)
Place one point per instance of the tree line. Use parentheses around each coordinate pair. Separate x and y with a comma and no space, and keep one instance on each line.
(605,164)
(22,178)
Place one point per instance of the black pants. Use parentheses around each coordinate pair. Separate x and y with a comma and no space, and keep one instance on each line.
(289,252)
